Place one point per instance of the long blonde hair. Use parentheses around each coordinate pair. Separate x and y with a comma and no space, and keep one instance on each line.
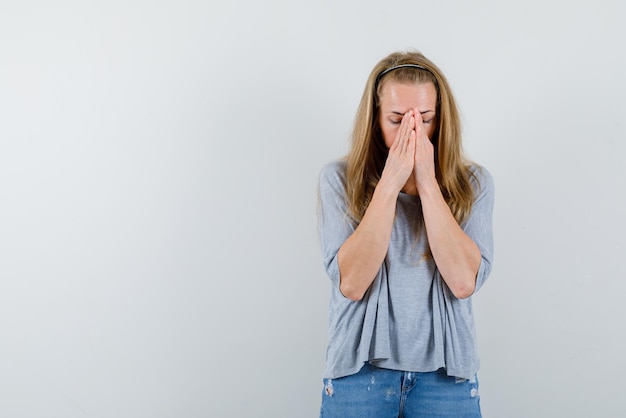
(368,153)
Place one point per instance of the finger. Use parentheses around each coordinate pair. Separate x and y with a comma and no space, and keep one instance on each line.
(412,142)
(419,122)
(415,123)
(397,143)
(403,131)
(409,127)
(398,139)
(419,144)
(405,127)
(418,117)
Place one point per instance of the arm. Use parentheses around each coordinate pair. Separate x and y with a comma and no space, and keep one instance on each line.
(456,255)
(362,254)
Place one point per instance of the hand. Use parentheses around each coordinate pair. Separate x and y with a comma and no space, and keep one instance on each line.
(401,157)
(424,158)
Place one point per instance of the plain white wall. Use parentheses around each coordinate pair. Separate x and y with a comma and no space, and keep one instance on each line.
(158,172)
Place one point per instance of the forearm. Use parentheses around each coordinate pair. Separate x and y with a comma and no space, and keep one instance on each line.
(362,254)
(457,257)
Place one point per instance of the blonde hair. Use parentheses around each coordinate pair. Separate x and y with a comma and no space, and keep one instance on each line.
(368,153)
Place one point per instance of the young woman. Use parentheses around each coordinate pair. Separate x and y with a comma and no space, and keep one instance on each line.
(406,236)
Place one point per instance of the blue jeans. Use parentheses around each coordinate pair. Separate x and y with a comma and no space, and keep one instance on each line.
(381,393)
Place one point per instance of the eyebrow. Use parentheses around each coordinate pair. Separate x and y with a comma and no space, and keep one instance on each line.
(402,114)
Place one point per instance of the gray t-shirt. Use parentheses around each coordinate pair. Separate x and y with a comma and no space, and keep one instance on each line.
(408,319)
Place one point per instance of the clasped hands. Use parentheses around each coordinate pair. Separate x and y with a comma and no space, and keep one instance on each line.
(410,163)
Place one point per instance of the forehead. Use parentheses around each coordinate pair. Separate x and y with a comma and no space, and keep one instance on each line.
(402,96)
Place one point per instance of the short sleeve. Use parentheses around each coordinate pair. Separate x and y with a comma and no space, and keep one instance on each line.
(334,225)
(479,225)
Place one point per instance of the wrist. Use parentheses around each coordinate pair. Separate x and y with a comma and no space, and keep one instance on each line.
(428,187)
(387,189)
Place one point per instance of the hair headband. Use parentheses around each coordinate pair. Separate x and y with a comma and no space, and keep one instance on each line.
(395,67)
(399,66)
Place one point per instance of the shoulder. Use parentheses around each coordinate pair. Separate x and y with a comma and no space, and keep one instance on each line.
(333,173)
(332,186)
(481,178)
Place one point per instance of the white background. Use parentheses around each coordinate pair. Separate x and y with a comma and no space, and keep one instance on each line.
(158,173)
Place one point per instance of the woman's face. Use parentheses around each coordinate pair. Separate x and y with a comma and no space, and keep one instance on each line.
(397,98)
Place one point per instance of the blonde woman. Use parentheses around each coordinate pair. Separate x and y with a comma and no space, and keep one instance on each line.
(406,235)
